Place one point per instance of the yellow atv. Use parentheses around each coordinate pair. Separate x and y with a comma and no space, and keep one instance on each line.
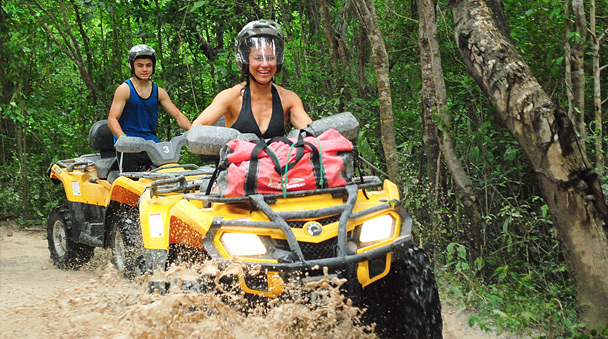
(358,232)
(101,204)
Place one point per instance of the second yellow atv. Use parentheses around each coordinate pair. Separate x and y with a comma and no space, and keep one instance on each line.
(101,204)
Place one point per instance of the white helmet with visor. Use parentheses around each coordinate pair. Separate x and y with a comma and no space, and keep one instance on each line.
(262,35)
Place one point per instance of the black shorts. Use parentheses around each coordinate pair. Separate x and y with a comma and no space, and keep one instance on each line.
(133,162)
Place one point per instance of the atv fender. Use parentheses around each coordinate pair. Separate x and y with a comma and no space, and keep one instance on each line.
(155,216)
(78,187)
(126,191)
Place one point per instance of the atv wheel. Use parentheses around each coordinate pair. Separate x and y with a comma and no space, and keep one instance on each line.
(66,253)
(127,244)
(405,303)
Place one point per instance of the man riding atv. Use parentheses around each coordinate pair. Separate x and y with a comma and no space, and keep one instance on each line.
(134,110)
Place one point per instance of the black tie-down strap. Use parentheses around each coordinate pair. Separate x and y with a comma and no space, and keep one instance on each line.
(299,145)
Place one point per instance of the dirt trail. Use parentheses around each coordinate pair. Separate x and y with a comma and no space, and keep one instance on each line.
(38,300)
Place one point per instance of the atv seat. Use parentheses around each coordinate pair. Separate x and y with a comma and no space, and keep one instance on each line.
(102,140)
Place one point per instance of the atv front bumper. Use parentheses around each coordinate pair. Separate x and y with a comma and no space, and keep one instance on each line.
(341,253)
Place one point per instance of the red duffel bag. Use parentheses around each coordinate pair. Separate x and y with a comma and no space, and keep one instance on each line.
(285,164)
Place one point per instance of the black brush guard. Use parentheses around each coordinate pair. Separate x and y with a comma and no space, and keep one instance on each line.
(278,220)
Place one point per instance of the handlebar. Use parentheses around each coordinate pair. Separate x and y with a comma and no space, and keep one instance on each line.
(161,153)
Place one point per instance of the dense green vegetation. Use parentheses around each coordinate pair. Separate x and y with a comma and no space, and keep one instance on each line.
(520,282)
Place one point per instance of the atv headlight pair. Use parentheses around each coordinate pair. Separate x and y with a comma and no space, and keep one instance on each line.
(243,244)
(376,229)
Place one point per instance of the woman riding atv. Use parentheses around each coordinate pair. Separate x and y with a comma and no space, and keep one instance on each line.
(257,105)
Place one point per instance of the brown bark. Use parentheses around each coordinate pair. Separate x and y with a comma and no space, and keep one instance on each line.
(570,186)
(434,102)
(568,57)
(85,39)
(430,107)
(367,12)
(21,136)
(578,67)
(597,90)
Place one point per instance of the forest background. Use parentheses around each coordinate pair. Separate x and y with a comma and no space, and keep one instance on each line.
(62,60)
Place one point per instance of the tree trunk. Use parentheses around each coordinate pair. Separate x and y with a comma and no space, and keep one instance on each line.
(21,136)
(367,12)
(578,67)
(597,91)
(434,102)
(568,63)
(570,186)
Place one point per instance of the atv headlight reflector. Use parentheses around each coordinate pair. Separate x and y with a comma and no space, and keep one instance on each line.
(243,244)
(376,229)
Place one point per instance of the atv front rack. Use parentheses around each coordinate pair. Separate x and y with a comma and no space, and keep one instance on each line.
(294,260)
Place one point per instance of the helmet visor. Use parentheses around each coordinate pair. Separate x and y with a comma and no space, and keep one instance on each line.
(257,50)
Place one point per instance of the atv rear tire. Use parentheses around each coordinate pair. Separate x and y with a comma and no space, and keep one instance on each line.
(127,244)
(66,253)
(405,303)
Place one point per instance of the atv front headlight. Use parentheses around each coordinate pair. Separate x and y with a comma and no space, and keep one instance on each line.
(243,244)
(376,229)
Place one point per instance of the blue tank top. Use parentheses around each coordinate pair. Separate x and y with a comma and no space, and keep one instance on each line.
(246,123)
(140,115)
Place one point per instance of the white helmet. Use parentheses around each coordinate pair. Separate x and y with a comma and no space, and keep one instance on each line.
(142,51)
(257,33)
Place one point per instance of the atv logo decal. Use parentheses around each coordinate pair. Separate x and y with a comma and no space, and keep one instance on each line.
(291,183)
(75,188)
(57,170)
(156,225)
(313,228)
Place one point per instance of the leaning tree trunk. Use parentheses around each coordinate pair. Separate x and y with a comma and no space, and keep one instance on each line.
(570,186)
(369,19)
(435,101)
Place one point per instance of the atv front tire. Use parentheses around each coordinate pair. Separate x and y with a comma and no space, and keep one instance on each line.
(127,244)
(65,253)
(405,303)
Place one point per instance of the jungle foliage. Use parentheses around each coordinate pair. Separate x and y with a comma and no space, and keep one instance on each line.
(62,60)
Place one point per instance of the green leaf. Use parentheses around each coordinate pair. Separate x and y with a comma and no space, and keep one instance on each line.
(500,313)
(197,5)
(457,291)
(462,252)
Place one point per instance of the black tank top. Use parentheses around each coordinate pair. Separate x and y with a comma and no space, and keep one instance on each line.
(246,123)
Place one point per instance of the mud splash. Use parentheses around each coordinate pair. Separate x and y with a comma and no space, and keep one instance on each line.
(39,300)
(319,311)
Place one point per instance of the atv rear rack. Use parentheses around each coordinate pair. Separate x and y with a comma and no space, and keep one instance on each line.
(80,163)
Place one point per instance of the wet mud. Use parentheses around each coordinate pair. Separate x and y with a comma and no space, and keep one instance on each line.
(37,300)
